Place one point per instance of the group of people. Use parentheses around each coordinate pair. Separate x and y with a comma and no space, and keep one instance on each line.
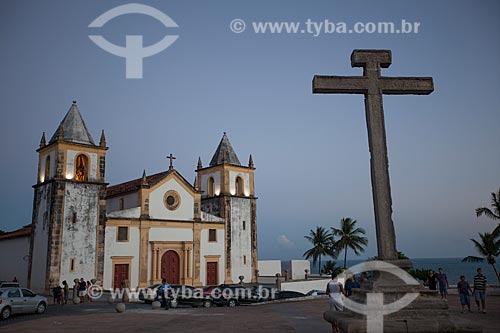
(61,294)
(463,287)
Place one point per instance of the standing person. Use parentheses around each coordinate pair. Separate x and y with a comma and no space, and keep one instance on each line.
(88,290)
(82,290)
(480,290)
(443,284)
(163,290)
(58,294)
(14,279)
(432,280)
(463,290)
(335,290)
(66,291)
(348,286)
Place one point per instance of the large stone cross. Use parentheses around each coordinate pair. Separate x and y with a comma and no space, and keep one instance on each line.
(373,86)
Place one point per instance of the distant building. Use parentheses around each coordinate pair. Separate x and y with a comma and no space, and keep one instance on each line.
(156,226)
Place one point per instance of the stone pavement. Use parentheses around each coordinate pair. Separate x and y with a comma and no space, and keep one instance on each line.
(303,316)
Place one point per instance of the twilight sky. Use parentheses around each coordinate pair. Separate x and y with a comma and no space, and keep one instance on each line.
(310,151)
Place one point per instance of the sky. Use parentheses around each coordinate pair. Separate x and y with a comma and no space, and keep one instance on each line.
(310,151)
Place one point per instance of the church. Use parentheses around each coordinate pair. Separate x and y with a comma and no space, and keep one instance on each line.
(140,231)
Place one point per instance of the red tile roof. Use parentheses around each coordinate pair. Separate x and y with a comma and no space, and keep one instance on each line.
(131,186)
(23,232)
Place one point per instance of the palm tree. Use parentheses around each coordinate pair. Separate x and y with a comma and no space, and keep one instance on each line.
(488,248)
(493,213)
(322,244)
(331,267)
(350,238)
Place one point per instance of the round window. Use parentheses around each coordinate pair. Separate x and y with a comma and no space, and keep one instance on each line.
(171,200)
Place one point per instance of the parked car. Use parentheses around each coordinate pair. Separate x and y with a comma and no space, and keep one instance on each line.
(283,294)
(315,292)
(20,300)
(178,294)
(8,284)
(149,295)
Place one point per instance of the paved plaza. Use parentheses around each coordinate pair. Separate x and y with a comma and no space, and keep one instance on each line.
(302,316)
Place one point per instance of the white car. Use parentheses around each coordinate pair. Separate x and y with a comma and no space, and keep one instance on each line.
(20,300)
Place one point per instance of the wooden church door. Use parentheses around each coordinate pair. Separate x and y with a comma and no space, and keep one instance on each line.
(170,267)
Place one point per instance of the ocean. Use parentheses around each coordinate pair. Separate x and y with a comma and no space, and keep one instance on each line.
(452,267)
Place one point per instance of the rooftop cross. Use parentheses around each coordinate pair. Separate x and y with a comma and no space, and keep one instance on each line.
(373,86)
(171,158)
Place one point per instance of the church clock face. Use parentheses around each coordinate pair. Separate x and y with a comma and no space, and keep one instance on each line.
(171,200)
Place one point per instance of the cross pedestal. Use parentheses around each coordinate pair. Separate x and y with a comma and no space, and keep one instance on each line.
(428,313)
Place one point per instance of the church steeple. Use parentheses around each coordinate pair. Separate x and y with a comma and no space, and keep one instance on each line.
(73,129)
(225,153)
(200,165)
(250,162)
(102,141)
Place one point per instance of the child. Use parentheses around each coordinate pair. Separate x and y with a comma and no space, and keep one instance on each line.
(463,290)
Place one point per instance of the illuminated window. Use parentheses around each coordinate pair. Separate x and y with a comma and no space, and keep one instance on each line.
(47,168)
(81,168)
(72,265)
(211,185)
(240,188)
(122,235)
(122,204)
(212,235)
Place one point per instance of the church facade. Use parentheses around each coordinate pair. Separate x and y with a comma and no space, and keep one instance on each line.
(153,227)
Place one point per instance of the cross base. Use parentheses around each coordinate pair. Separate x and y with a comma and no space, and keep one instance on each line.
(428,313)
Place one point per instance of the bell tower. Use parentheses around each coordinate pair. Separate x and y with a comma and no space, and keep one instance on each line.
(228,192)
(68,206)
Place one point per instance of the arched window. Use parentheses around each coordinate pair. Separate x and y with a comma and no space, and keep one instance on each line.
(240,187)
(47,168)
(81,168)
(211,185)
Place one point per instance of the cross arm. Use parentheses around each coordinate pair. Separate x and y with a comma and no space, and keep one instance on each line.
(406,85)
(323,84)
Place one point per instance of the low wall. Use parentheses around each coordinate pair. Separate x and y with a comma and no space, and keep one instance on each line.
(298,268)
(269,267)
(305,285)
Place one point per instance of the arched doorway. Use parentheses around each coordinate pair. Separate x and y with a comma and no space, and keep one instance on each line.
(170,267)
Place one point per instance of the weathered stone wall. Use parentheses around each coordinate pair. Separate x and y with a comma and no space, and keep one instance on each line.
(80,237)
(241,238)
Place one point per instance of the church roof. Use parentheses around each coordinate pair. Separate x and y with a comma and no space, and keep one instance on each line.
(226,149)
(23,232)
(132,185)
(73,128)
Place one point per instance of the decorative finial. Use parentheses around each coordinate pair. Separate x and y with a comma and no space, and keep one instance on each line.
(102,142)
(200,165)
(171,158)
(74,102)
(195,182)
(60,133)
(43,141)
(225,133)
(250,162)
(144,180)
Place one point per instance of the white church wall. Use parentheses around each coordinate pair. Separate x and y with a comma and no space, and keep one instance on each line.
(40,241)
(157,209)
(217,182)
(171,234)
(14,259)
(212,249)
(130,200)
(232,182)
(241,239)
(305,286)
(121,249)
(269,267)
(70,164)
(79,238)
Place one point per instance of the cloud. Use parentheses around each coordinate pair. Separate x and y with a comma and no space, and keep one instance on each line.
(284,242)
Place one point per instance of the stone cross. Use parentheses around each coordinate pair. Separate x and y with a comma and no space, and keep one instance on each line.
(373,86)
(171,158)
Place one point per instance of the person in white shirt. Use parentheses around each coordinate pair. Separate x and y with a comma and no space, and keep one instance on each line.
(335,290)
